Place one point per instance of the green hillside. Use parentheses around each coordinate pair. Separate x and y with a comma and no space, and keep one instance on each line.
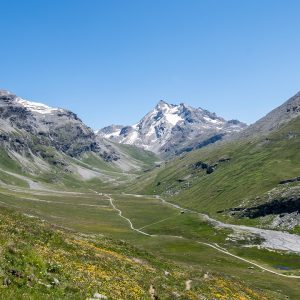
(244,171)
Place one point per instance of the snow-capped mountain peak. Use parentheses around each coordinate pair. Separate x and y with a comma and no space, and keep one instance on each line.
(170,128)
(165,112)
(36,107)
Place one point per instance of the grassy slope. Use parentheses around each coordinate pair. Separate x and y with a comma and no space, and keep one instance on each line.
(8,164)
(39,261)
(93,161)
(56,175)
(256,166)
(147,158)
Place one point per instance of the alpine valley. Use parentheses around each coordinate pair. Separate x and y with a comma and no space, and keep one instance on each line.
(182,205)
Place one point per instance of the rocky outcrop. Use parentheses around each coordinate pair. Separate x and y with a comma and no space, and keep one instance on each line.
(210,168)
(282,203)
(286,221)
(290,180)
(203,166)
(275,207)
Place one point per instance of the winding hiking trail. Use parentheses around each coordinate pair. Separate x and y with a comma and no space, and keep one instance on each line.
(121,215)
(218,248)
(215,222)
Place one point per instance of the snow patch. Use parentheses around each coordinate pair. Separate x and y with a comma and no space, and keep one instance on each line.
(37,107)
(171,114)
(112,134)
(173,118)
(132,138)
(212,120)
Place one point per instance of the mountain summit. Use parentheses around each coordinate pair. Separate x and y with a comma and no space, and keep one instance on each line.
(170,129)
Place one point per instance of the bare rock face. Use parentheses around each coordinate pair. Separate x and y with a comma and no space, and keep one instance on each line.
(172,129)
(31,127)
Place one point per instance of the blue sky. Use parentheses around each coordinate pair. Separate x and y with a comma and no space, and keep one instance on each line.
(111,61)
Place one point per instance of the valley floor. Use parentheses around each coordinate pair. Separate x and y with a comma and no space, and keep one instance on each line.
(170,232)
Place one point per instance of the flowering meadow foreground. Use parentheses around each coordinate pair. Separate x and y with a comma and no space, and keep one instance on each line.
(40,261)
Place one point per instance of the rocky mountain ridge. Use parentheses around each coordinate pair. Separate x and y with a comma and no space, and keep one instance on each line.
(31,131)
(171,129)
(282,114)
(59,128)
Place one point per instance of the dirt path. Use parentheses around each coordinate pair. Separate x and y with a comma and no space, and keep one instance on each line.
(272,239)
(121,215)
(218,248)
(214,246)
(160,221)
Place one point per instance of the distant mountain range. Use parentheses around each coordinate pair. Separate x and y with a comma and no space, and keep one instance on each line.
(171,129)
(35,131)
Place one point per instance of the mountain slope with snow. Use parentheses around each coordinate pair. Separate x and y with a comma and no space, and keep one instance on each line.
(33,132)
(171,129)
